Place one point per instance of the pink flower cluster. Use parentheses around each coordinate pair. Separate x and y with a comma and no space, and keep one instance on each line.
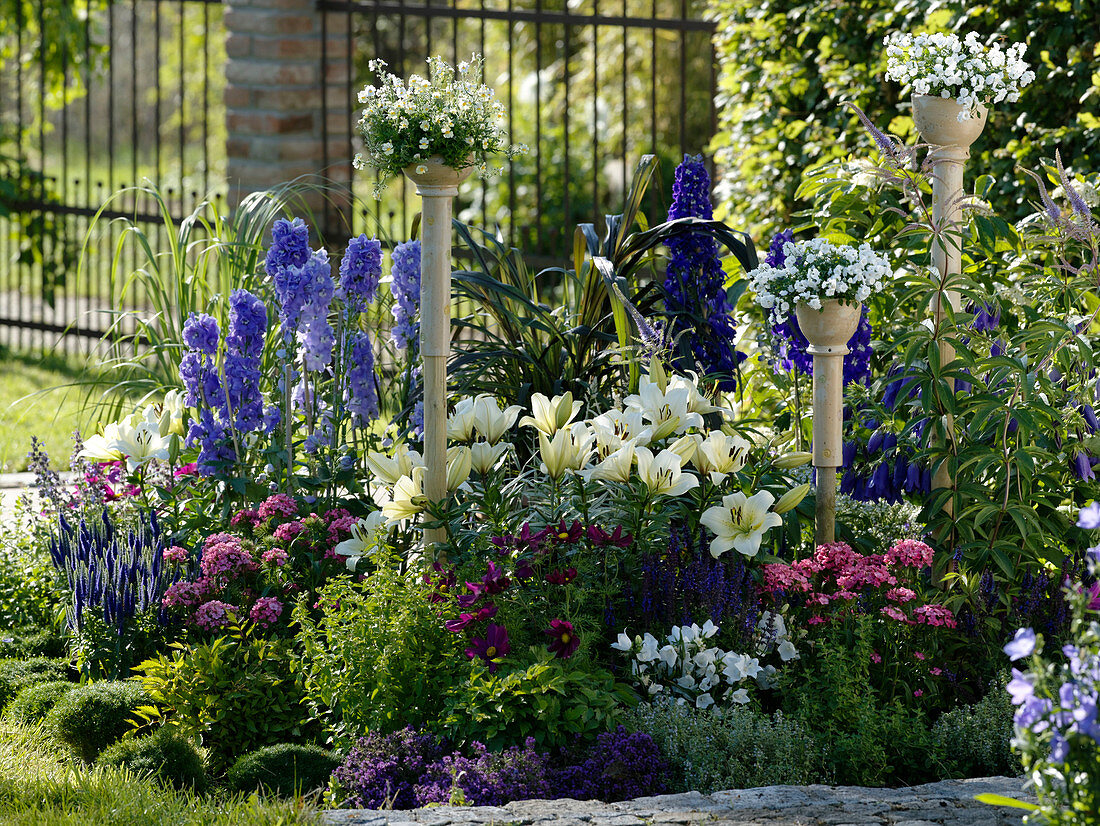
(176,554)
(278,504)
(275,556)
(184,594)
(909,553)
(288,531)
(214,614)
(244,517)
(222,553)
(266,611)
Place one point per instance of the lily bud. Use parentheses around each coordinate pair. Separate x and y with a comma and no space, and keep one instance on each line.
(658,376)
(791,499)
(793,459)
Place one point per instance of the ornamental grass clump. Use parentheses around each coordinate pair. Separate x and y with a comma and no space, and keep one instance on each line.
(449,114)
(964,69)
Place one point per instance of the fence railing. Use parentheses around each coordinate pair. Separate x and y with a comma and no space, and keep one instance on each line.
(589,85)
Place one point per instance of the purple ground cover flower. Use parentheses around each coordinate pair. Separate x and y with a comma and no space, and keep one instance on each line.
(694,287)
(383,769)
(620,765)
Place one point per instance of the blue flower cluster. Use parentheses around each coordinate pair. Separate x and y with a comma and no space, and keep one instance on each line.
(790,345)
(244,347)
(405,285)
(699,313)
(362,397)
(199,373)
(360,271)
(304,290)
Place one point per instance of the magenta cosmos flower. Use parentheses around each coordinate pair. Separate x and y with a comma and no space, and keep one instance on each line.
(563,639)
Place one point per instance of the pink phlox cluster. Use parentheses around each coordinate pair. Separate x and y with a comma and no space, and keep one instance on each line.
(340,520)
(184,594)
(266,611)
(274,556)
(836,556)
(289,531)
(863,572)
(780,576)
(176,554)
(278,504)
(223,553)
(910,553)
(214,614)
(901,595)
(895,614)
(245,516)
(937,615)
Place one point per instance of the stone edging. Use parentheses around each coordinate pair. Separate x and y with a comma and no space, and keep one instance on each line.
(947,803)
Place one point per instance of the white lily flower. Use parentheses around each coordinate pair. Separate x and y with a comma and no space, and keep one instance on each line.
(389,469)
(141,443)
(459,462)
(551,415)
(408,497)
(685,447)
(103,447)
(616,427)
(740,522)
(667,411)
(172,411)
(618,467)
(484,456)
(490,421)
(661,473)
(569,449)
(697,402)
(720,455)
(460,424)
(364,533)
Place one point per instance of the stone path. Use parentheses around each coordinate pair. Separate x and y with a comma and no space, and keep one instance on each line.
(948,803)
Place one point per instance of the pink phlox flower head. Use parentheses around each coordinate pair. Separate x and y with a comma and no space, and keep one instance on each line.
(266,611)
(184,594)
(176,554)
(865,571)
(214,614)
(910,553)
(919,692)
(935,672)
(274,556)
(278,504)
(936,615)
(836,555)
(339,519)
(779,576)
(815,620)
(223,553)
(876,657)
(288,531)
(895,614)
(919,655)
(901,595)
(245,516)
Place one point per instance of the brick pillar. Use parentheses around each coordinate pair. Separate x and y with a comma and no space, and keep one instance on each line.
(284,99)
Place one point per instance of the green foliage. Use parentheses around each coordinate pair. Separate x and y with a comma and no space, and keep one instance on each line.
(739,750)
(165,754)
(867,742)
(285,769)
(378,657)
(17,674)
(32,642)
(38,787)
(34,702)
(786,67)
(91,717)
(557,702)
(236,693)
(975,740)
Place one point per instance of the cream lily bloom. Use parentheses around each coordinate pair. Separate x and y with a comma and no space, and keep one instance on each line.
(697,402)
(172,411)
(141,443)
(388,469)
(459,462)
(615,427)
(791,499)
(617,467)
(551,415)
(662,473)
(408,498)
(720,455)
(686,446)
(103,447)
(667,411)
(490,421)
(484,456)
(569,449)
(740,522)
(364,533)
(460,424)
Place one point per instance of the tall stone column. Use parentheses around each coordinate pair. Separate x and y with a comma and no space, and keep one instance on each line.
(286,97)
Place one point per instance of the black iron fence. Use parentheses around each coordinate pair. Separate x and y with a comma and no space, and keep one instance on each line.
(589,85)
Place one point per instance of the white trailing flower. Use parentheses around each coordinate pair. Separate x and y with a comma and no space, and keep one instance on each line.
(815,270)
(964,69)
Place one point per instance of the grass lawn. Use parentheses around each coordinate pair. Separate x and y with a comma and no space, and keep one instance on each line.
(41,786)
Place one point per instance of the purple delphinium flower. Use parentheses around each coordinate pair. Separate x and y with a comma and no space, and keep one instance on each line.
(360,269)
(986,317)
(215,443)
(405,285)
(197,368)
(200,332)
(789,343)
(289,246)
(694,288)
(244,348)
(362,396)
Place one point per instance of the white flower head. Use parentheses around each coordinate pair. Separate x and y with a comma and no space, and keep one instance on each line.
(740,522)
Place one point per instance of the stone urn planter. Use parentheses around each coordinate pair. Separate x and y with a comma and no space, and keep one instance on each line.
(828,331)
(437,185)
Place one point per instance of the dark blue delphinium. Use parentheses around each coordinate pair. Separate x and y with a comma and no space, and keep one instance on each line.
(790,345)
(113,573)
(244,347)
(360,271)
(700,318)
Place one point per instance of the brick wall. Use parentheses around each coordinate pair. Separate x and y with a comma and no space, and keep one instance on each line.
(274,111)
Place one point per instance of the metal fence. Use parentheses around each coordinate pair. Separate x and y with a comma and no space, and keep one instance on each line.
(589,85)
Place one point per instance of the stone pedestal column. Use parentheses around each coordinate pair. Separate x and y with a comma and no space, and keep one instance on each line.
(828,330)
(437,185)
(937,120)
